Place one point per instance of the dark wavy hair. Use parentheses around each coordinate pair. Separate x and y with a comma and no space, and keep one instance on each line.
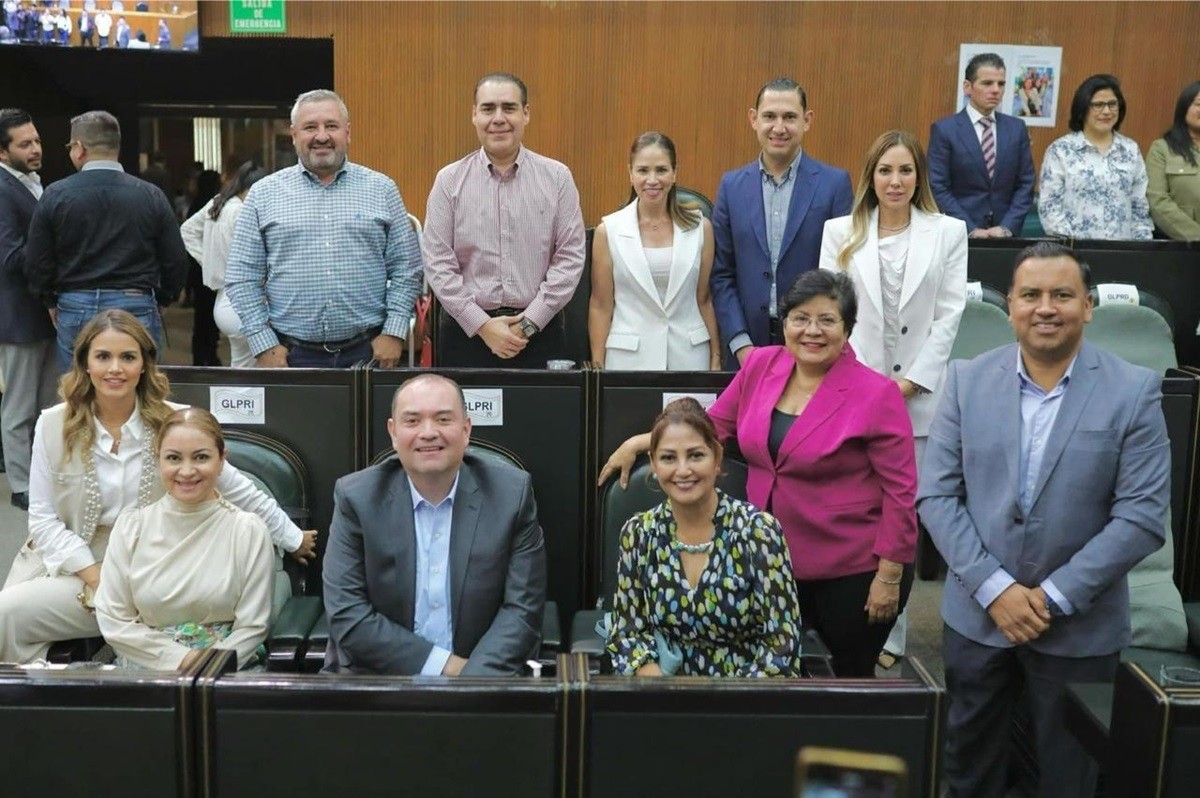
(247,175)
(1178,138)
(821,282)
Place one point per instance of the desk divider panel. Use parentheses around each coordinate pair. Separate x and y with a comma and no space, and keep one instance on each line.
(696,736)
(295,734)
(316,412)
(538,417)
(1154,736)
(1181,406)
(96,733)
(1170,269)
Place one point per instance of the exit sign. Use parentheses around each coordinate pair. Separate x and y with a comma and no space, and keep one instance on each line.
(257,16)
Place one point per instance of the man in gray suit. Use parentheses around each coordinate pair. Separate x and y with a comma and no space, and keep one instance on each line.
(1046,478)
(435,562)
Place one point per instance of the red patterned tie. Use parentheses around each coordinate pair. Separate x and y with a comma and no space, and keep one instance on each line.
(988,142)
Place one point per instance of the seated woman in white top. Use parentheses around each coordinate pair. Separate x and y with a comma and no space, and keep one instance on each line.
(190,571)
(92,459)
(207,236)
(650,308)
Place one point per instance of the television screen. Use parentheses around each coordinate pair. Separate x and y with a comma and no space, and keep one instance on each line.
(161,25)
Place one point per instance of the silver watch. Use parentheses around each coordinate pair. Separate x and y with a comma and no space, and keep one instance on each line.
(528,328)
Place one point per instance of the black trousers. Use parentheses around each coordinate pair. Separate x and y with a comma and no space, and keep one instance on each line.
(205,335)
(983,684)
(834,607)
(456,350)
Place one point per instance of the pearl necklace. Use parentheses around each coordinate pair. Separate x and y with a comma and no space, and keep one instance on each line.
(693,548)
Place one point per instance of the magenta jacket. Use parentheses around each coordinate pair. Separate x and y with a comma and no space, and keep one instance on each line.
(845,484)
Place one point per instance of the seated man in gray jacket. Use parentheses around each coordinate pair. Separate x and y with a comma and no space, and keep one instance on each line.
(435,562)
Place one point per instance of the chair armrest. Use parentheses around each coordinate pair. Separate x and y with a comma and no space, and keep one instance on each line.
(551,631)
(815,660)
(313,658)
(1192,613)
(291,630)
(584,639)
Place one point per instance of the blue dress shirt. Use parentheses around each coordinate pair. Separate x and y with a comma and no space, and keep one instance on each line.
(431,615)
(323,262)
(1039,409)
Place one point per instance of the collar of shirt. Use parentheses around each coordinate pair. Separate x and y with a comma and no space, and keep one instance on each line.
(787,175)
(1028,383)
(317,178)
(418,499)
(1080,142)
(494,172)
(975,116)
(32,180)
(132,429)
(112,166)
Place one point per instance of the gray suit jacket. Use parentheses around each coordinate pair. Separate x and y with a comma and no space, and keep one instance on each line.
(497,572)
(1099,503)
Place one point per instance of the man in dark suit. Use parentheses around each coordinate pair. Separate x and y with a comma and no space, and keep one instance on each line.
(768,221)
(980,164)
(435,562)
(1046,478)
(26,334)
(103,239)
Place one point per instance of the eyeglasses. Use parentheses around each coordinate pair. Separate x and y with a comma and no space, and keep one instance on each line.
(802,320)
(71,144)
(1102,105)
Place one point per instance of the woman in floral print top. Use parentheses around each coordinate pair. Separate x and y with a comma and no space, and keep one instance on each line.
(1094,180)
(741,618)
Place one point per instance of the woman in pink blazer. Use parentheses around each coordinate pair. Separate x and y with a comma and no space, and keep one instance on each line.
(829,446)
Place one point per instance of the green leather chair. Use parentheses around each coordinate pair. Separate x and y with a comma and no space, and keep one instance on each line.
(1143,333)
(691,195)
(984,324)
(280,473)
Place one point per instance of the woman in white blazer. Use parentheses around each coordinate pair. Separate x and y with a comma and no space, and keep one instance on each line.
(909,266)
(650,308)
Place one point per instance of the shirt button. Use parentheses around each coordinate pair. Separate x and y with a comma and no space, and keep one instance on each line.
(896,367)
(904,331)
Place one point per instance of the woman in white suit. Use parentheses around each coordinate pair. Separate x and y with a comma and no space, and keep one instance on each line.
(650,308)
(909,266)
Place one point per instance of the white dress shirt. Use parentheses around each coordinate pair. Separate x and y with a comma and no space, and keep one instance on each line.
(31,180)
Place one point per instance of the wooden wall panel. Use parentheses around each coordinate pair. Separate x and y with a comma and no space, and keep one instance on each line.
(601,72)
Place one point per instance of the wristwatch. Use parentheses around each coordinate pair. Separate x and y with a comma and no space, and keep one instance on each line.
(528,328)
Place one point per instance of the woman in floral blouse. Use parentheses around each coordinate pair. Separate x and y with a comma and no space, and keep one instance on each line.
(1094,179)
(704,581)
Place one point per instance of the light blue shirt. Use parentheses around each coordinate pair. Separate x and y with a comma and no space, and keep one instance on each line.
(323,263)
(431,615)
(777,200)
(1039,410)
(112,166)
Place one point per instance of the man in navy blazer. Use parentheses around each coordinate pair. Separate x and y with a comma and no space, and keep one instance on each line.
(768,221)
(993,205)
(1045,479)
(26,334)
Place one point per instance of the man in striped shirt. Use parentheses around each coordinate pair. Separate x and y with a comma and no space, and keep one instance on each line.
(503,241)
(324,269)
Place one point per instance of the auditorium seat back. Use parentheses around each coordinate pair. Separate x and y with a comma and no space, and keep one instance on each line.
(1137,326)
(984,324)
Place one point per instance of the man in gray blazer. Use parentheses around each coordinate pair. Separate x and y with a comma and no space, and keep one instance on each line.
(1046,478)
(435,562)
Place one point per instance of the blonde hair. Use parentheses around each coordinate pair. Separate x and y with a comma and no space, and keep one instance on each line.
(865,200)
(77,390)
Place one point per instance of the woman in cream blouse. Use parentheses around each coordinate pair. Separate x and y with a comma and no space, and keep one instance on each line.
(92,459)
(909,265)
(650,308)
(190,571)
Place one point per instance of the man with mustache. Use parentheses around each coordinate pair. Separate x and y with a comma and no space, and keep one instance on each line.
(324,269)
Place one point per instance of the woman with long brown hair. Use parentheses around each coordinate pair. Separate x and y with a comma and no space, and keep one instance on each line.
(92,458)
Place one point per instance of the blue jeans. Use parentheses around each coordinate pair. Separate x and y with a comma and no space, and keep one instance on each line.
(301,358)
(76,309)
